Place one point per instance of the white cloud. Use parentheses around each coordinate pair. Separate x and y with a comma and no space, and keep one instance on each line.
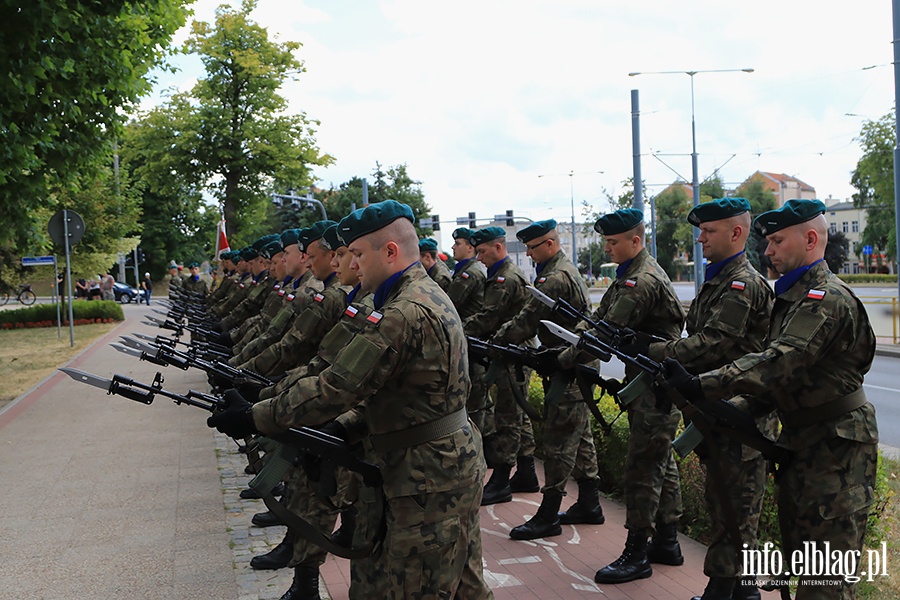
(479,98)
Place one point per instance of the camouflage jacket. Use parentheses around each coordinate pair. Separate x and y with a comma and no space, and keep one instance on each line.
(504,297)
(440,272)
(819,347)
(558,278)
(409,365)
(259,290)
(219,292)
(260,320)
(241,288)
(727,319)
(466,289)
(199,286)
(302,340)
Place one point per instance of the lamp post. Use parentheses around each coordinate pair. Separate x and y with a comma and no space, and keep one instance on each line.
(695,183)
(571,175)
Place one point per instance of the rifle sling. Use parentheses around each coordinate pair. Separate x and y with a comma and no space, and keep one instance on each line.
(588,395)
(520,399)
(301,527)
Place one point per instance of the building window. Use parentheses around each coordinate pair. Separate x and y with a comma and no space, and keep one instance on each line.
(844,227)
(832,228)
(855,225)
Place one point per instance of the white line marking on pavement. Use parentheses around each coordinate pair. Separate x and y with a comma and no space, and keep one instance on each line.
(520,561)
(878,387)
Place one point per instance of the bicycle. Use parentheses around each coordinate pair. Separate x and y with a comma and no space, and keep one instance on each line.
(24,295)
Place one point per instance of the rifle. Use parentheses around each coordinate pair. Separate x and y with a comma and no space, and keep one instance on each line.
(291,442)
(617,335)
(519,356)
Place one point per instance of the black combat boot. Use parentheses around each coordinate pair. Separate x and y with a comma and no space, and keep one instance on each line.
(745,589)
(587,508)
(496,490)
(266,519)
(664,548)
(305,585)
(631,565)
(718,588)
(276,558)
(525,479)
(545,523)
(344,534)
(487,443)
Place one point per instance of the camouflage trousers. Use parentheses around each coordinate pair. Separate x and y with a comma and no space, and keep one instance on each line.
(568,442)
(514,435)
(743,481)
(480,406)
(432,550)
(302,500)
(824,495)
(652,486)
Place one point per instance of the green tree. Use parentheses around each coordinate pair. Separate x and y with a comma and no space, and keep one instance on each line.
(69,69)
(874,180)
(760,198)
(230,134)
(836,251)
(395,183)
(591,258)
(674,235)
(712,187)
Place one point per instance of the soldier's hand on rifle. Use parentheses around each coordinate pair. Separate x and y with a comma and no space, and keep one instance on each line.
(312,463)
(546,361)
(633,343)
(678,378)
(237,418)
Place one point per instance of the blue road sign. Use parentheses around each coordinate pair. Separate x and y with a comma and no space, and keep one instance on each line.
(34,261)
(867,249)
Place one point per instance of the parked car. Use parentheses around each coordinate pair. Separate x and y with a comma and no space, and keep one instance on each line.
(124,293)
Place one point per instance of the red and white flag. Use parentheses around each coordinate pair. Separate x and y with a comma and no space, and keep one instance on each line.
(221,240)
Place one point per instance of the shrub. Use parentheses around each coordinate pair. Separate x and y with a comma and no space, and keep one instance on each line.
(44,315)
(612,444)
(867,278)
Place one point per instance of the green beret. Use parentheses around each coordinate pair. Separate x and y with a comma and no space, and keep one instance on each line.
(428,245)
(464,233)
(313,233)
(331,238)
(718,210)
(289,237)
(792,213)
(271,249)
(194,264)
(536,230)
(372,218)
(225,255)
(249,253)
(172,265)
(258,244)
(487,234)
(624,219)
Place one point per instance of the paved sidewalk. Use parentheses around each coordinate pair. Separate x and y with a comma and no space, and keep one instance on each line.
(108,498)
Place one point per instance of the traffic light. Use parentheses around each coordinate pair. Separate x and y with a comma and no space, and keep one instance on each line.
(435,223)
(510,220)
(471,220)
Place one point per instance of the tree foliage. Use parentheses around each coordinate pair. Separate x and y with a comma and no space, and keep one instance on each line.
(761,199)
(591,258)
(674,235)
(69,68)
(836,251)
(874,180)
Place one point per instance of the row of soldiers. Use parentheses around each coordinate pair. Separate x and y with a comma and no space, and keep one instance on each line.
(363,343)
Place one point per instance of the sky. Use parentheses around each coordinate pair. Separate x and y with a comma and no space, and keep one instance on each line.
(526,104)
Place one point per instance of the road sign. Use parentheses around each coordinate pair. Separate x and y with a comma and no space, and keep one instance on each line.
(867,249)
(58,229)
(34,261)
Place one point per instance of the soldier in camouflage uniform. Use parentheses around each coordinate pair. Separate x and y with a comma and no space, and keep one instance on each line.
(409,365)
(292,297)
(568,441)
(260,287)
(193,282)
(819,347)
(246,283)
(174,277)
(727,319)
(641,298)
(504,297)
(250,329)
(229,286)
(301,341)
(435,267)
(227,270)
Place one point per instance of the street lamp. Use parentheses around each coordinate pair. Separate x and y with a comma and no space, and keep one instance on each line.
(695,182)
(571,175)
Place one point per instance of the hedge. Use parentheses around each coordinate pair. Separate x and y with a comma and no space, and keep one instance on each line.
(44,315)
(611,449)
(867,278)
